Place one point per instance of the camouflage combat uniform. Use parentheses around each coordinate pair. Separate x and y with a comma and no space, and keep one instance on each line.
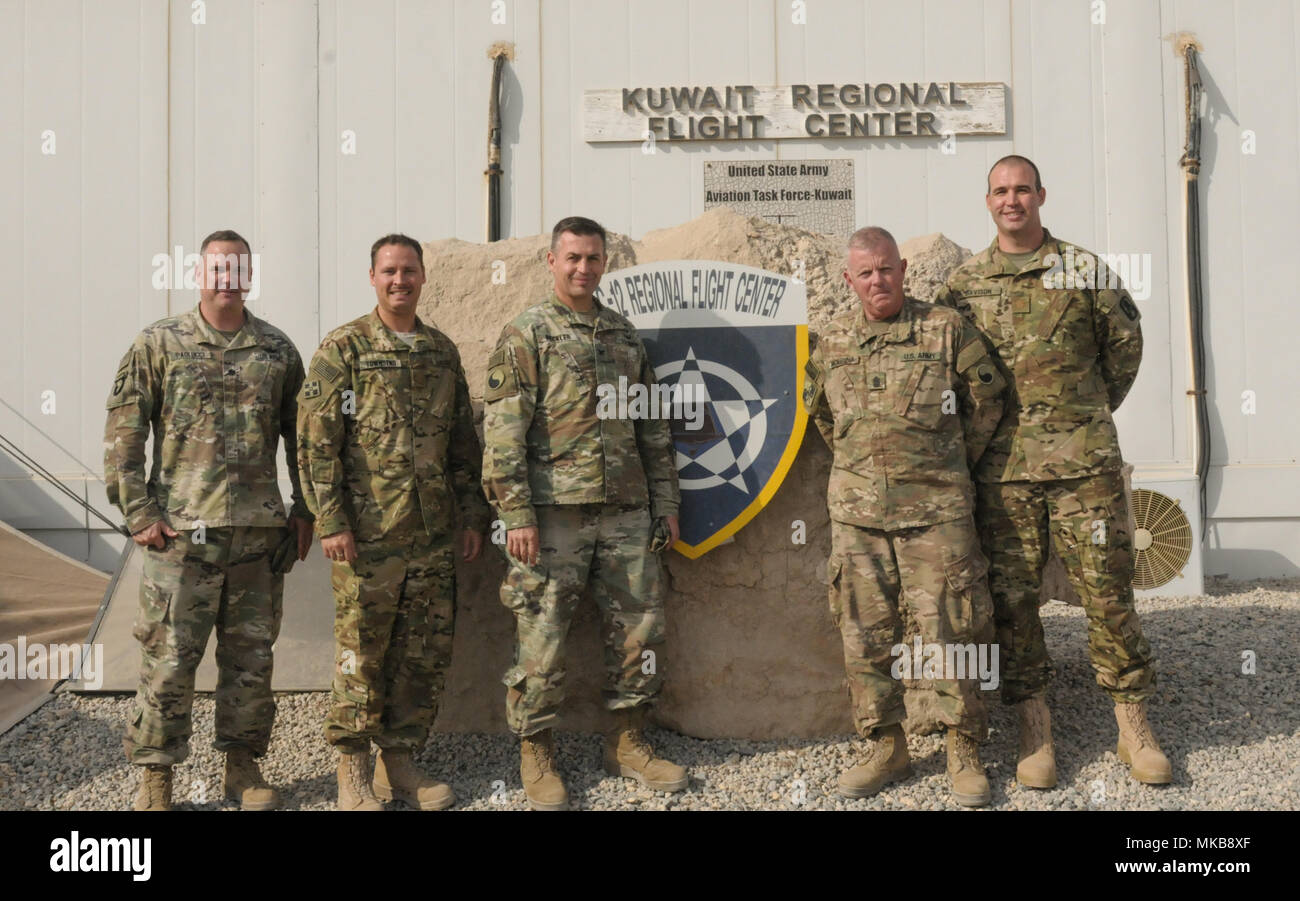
(387,449)
(217,411)
(593,487)
(1053,470)
(906,405)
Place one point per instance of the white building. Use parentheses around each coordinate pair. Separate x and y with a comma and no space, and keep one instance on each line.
(136,126)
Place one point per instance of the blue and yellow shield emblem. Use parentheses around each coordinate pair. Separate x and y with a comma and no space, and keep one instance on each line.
(729,344)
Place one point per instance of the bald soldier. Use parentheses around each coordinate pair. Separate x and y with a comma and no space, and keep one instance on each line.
(907,398)
(217,386)
(1069,342)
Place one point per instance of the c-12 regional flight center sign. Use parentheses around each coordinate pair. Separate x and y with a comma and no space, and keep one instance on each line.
(733,340)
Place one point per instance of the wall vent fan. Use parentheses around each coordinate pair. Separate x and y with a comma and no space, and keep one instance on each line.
(1162,540)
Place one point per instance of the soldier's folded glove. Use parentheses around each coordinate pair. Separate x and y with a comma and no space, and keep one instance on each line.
(659,538)
(283,557)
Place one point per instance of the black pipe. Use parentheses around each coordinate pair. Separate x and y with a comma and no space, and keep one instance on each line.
(493,172)
(1191,164)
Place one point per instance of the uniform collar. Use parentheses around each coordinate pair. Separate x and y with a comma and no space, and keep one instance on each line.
(386,339)
(899,331)
(573,317)
(999,264)
(249,334)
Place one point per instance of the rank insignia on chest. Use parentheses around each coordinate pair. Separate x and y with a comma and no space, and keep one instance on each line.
(311,389)
(876,381)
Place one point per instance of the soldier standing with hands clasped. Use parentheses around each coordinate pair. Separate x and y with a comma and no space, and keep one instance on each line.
(217,386)
(584,500)
(1069,342)
(906,397)
(389,456)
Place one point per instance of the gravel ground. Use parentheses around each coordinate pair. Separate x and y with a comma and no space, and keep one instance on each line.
(1233,738)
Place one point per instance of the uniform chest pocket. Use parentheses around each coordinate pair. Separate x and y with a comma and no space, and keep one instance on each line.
(264,376)
(926,396)
(188,397)
(627,357)
(382,395)
(433,383)
(847,387)
(570,373)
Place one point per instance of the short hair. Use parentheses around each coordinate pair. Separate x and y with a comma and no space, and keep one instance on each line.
(870,237)
(399,240)
(1016,158)
(577,225)
(227,235)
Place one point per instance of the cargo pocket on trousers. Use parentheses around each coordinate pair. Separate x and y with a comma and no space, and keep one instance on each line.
(965,616)
(522,590)
(834,573)
(151,618)
(514,677)
(353,695)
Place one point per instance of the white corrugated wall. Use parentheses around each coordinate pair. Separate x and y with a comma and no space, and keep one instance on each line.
(166,129)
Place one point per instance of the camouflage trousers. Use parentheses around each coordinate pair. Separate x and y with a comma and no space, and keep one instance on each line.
(394,611)
(1086,520)
(606,546)
(938,571)
(187,589)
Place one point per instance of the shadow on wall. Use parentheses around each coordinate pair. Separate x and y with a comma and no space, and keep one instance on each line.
(1263,564)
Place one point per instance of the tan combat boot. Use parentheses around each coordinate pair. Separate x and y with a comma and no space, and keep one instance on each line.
(244,783)
(1037,766)
(886,761)
(354,782)
(628,753)
(1138,746)
(970,787)
(397,778)
(542,785)
(155,788)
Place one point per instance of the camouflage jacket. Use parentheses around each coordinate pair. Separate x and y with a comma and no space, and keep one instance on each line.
(217,411)
(545,442)
(906,409)
(386,436)
(1070,347)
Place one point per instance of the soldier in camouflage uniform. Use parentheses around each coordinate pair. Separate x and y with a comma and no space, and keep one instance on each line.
(906,396)
(218,388)
(580,498)
(389,456)
(1067,338)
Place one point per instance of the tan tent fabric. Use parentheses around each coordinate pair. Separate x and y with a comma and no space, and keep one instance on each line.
(304,653)
(45,598)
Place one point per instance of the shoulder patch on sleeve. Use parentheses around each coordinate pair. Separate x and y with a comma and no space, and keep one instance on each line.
(120,396)
(1129,308)
(311,389)
(326,370)
(812,384)
(969,355)
(501,378)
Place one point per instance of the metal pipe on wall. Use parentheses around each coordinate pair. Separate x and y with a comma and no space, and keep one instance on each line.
(1194,94)
(498,53)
